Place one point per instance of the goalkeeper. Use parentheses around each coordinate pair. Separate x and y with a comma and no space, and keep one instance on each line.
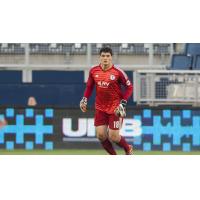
(110,103)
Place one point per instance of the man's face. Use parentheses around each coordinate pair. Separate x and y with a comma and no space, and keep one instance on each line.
(105,58)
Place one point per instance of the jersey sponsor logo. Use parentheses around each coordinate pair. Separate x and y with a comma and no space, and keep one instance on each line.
(112,77)
(96,75)
(128,82)
(103,84)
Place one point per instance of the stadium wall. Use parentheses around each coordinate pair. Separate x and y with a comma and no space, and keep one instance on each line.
(50,88)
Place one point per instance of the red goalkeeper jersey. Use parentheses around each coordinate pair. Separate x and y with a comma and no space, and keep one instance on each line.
(109,90)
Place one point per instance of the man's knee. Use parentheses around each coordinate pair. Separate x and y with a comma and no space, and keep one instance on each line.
(101,135)
(101,132)
(114,136)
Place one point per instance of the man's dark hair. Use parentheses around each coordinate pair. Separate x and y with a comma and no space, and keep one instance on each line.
(106,50)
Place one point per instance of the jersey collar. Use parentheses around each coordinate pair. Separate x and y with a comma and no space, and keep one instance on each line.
(106,69)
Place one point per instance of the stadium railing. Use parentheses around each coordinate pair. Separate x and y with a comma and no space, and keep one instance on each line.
(81,48)
(157,87)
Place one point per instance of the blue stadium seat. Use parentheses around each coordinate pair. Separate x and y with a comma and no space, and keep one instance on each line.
(197,62)
(192,48)
(181,62)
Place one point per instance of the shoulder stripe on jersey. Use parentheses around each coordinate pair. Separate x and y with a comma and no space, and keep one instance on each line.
(93,67)
(125,75)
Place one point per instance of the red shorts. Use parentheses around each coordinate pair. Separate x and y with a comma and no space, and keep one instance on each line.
(102,118)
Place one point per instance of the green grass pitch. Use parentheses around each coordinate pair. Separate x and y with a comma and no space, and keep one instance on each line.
(89,152)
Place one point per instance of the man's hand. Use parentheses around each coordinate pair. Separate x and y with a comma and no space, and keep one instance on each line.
(3,123)
(120,111)
(83,104)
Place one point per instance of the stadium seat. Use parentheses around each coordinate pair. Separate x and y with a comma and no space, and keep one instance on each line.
(161,49)
(44,48)
(96,47)
(34,48)
(77,45)
(192,49)
(197,63)
(181,62)
(4,45)
(11,48)
(79,49)
(67,48)
(139,48)
(19,49)
(55,48)
(126,49)
(124,45)
(53,45)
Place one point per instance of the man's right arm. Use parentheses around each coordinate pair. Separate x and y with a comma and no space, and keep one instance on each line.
(89,86)
(87,93)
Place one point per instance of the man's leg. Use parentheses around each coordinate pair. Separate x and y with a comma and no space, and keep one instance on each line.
(114,136)
(101,121)
(103,137)
(115,124)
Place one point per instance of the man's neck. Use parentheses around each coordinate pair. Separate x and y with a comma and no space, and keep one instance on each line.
(106,67)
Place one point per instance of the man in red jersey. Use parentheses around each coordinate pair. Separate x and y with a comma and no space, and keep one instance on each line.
(110,101)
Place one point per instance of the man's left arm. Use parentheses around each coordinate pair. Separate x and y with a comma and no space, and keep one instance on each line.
(121,109)
(127,84)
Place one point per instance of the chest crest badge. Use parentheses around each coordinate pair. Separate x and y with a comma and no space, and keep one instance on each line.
(112,77)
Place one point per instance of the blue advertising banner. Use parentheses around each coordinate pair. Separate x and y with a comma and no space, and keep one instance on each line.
(168,129)
(160,129)
(27,128)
